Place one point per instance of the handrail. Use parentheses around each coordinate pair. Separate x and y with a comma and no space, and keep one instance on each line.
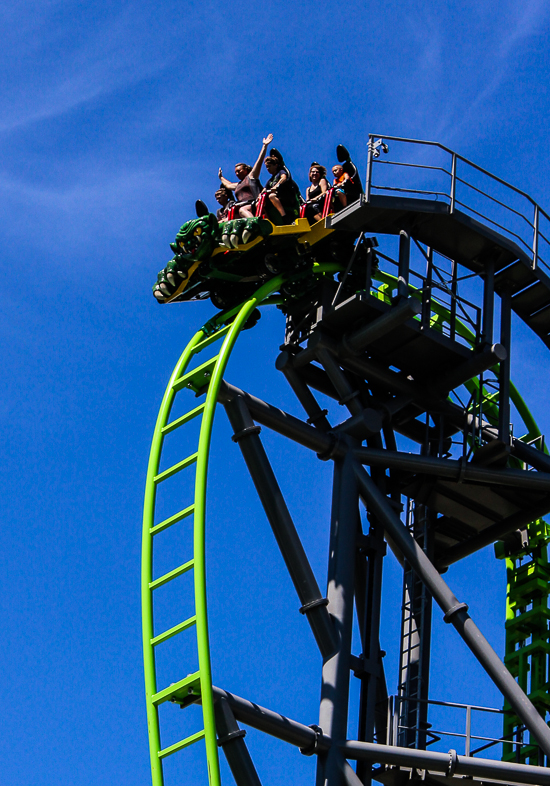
(466,161)
(493,199)
(490,220)
(534,226)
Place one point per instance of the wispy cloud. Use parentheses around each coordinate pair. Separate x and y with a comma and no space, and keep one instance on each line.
(103,59)
(128,203)
(493,63)
(520,23)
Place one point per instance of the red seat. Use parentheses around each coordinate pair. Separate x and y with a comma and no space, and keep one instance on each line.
(260,206)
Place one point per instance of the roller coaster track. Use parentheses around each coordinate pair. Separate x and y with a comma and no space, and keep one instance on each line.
(205,380)
(412,364)
(202,379)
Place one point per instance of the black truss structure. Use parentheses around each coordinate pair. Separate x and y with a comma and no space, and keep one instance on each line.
(391,372)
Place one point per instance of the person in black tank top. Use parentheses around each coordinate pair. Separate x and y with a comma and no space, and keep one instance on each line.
(315,193)
(283,196)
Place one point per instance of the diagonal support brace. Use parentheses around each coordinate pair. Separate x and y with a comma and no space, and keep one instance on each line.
(288,540)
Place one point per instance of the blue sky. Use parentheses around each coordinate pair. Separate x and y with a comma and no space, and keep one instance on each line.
(115,118)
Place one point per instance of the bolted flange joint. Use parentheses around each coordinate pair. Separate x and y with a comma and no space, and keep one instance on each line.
(312,748)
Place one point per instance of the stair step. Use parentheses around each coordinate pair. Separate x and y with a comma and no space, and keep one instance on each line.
(176,468)
(197,379)
(172,520)
(531,299)
(179,690)
(540,321)
(178,746)
(173,631)
(184,419)
(210,340)
(172,575)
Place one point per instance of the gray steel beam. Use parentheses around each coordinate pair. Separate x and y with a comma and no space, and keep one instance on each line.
(361,426)
(355,342)
(345,525)
(315,377)
(231,740)
(458,470)
(348,395)
(447,763)
(273,723)
(361,580)
(316,415)
(529,454)
(473,367)
(454,612)
(314,605)
(350,778)
(384,377)
(282,422)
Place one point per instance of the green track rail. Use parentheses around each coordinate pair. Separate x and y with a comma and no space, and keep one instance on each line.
(205,380)
(202,380)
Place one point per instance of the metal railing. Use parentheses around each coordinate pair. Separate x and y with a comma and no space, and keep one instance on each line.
(398,733)
(443,307)
(520,222)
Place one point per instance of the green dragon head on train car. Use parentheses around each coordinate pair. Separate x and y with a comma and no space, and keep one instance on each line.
(196,242)
(197,238)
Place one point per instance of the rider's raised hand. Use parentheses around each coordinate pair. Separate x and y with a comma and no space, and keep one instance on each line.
(268,139)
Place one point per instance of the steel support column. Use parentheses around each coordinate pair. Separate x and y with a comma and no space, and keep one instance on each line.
(404,264)
(369,604)
(504,368)
(488,302)
(345,524)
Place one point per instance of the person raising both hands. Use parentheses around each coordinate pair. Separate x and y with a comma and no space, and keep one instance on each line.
(248,187)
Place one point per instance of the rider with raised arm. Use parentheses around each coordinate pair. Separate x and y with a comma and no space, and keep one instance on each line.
(248,187)
(282,193)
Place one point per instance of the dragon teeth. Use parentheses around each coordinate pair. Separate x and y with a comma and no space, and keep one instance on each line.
(234,241)
(246,236)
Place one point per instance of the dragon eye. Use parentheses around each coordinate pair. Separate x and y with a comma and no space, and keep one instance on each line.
(198,231)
